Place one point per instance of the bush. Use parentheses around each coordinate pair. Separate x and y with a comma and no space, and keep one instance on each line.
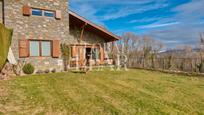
(53,70)
(47,71)
(200,67)
(28,68)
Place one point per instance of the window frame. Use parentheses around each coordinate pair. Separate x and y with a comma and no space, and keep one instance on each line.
(43,12)
(40,47)
(50,52)
(49,11)
(36,9)
(30,49)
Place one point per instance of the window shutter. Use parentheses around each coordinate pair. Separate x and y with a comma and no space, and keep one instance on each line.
(23,48)
(26,10)
(101,54)
(56,49)
(58,14)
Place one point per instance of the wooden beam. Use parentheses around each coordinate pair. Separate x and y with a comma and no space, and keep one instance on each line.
(82,32)
(105,31)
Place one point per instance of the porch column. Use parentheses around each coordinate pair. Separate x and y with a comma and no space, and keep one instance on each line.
(113,52)
(101,54)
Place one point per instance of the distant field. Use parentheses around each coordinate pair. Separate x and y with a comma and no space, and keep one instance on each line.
(128,93)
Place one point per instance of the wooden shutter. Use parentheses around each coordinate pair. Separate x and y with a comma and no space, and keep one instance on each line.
(82,55)
(58,14)
(56,49)
(23,48)
(101,55)
(26,10)
(74,51)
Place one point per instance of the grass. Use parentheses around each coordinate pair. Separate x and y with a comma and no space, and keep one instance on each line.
(108,92)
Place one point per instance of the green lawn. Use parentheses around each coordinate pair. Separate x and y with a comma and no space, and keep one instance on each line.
(128,93)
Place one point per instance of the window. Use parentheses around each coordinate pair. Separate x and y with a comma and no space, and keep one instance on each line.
(41,12)
(46,48)
(40,48)
(49,14)
(37,12)
(95,53)
(34,48)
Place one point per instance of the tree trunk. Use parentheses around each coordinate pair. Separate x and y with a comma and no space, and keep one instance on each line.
(65,65)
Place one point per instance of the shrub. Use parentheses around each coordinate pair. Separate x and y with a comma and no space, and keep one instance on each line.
(200,66)
(47,71)
(53,70)
(28,68)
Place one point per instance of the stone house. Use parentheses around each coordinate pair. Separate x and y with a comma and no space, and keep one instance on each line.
(40,26)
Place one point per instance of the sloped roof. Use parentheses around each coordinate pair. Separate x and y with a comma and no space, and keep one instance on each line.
(79,21)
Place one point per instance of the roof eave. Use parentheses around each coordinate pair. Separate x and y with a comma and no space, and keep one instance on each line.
(95,26)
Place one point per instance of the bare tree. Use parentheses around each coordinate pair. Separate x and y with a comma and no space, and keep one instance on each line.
(140,50)
(151,47)
(130,45)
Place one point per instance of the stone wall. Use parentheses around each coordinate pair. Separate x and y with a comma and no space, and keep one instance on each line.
(88,37)
(40,27)
(37,27)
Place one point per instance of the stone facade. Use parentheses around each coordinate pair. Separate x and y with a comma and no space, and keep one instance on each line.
(88,37)
(37,27)
(44,28)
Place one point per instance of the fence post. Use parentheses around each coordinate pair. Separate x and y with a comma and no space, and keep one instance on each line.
(191,61)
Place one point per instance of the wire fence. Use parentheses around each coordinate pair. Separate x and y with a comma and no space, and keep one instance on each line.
(177,64)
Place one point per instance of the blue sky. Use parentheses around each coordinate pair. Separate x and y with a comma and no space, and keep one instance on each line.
(173,22)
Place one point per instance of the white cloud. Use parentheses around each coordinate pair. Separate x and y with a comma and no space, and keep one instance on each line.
(119,9)
(190,12)
(145,20)
(131,9)
(155,25)
(87,11)
(182,27)
(111,2)
(190,16)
